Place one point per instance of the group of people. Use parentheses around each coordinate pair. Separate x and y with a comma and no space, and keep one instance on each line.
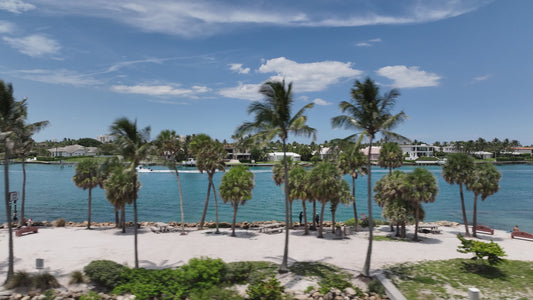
(301,216)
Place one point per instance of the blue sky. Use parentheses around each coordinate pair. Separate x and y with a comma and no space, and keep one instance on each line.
(464,68)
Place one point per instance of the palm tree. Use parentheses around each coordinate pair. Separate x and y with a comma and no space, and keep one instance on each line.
(389,195)
(456,170)
(236,187)
(324,186)
(484,181)
(170,146)
(87,177)
(210,156)
(121,190)
(133,145)
(343,196)
(352,161)
(278,174)
(390,156)
(24,146)
(369,113)
(422,188)
(298,189)
(273,118)
(12,116)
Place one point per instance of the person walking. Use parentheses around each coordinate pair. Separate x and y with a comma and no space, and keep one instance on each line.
(301,217)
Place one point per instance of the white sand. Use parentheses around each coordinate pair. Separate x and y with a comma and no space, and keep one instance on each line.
(68,249)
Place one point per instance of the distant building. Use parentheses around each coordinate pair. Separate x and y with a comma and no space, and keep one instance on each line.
(278,156)
(374,155)
(483,154)
(413,152)
(105,138)
(72,150)
(523,150)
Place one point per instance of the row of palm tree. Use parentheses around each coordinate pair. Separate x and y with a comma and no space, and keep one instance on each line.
(15,136)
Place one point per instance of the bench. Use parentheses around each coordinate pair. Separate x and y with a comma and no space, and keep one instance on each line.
(270,228)
(26,229)
(522,235)
(428,229)
(484,229)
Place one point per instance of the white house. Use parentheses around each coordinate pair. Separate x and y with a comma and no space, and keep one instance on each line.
(374,155)
(278,156)
(523,150)
(106,138)
(483,154)
(415,151)
(72,150)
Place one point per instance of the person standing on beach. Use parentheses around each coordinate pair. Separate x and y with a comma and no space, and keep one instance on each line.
(301,216)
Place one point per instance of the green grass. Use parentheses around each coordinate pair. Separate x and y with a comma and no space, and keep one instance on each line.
(450,279)
(389,238)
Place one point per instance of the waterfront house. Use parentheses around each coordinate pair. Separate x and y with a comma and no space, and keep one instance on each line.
(72,150)
(278,156)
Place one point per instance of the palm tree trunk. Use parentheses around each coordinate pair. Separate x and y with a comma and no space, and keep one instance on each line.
(216,204)
(123,218)
(315,225)
(205,206)
(284,268)
(135,222)
(23,201)
(11,260)
(366,267)
(181,200)
(235,206)
(117,224)
(474,219)
(306,228)
(417,217)
(467,232)
(333,219)
(354,206)
(89,213)
(321,221)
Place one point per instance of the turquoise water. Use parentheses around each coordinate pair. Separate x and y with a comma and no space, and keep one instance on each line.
(51,194)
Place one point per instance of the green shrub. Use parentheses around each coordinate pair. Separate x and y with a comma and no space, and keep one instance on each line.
(270,289)
(77,277)
(203,273)
(104,273)
(334,280)
(90,296)
(237,272)
(491,250)
(49,294)
(216,293)
(44,281)
(18,280)
(375,286)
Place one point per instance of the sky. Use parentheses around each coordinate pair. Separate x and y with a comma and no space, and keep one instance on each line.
(463,68)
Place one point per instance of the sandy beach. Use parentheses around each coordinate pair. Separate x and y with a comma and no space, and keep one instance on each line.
(67,249)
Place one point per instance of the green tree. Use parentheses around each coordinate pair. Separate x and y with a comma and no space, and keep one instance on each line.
(236,187)
(210,156)
(87,177)
(484,181)
(120,190)
(422,188)
(352,161)
(278,174)
(273,119)
(170,147)
(134,147)
(12,116)
(369,113)
(390,156)
(390,195)
(298,189)
(456,170)
(24,145)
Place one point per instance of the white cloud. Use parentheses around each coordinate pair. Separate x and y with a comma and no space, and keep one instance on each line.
(15,6)
(309,77)
(6,27)
(34,45)
(61,76)
(481,78)
(242,91)
(124,64)
(239,69)
(409,77)
(160,90)
(321,102)
(201,17)
(368,43)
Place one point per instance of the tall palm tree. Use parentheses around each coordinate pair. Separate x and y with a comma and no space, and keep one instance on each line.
(210,156)
(273,118)
(12,116)
(343,196)
(24,145)
(390,156)
(278,174)
(484,181)
(390,196)
(236,187)
(133,144)
(369,113)
(298,189)
(352,161)
(456,170)
(87,177)
(170,146)
(121,190)
(422,188)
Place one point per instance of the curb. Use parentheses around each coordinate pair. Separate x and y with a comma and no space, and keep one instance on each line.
(392,292)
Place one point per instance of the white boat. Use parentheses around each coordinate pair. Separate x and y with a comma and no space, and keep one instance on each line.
(191,162)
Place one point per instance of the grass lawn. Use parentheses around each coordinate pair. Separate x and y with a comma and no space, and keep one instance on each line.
(450,279)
